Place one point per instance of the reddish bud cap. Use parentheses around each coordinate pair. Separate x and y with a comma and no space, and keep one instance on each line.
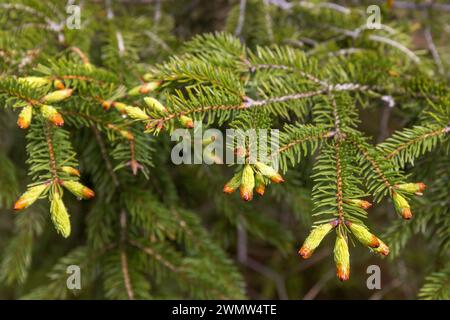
(422,186)
(88,193)
(304,252)
(246,195)
(343,273)
(106,105)
(260,189)
(23,123)
(374,243)
(228,190)
(406,213)
(277,178)
(57,119)
(20,204)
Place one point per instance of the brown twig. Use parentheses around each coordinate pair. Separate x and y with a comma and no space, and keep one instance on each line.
(293,143)
(51,153)
(81,54)
(123,254)
(338,136)
(373,163)
(149,251)
(339,193)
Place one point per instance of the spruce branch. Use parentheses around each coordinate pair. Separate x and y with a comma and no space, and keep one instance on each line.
(112,83)
(404,146)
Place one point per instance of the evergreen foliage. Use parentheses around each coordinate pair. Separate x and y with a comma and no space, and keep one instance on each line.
(97,106)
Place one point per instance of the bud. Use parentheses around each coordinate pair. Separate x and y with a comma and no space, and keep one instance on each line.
(342,258)
(416,188)
(59,216)
(120,106)
(35,81)
(247,183)
(401,206)
(144,88)
(78,189)
(186,122)
(25,116)
(260,185)
(29,197)
(155,105)
(136,113)
(71,171)
(57,96)
(126,134)
(382,249)
(363,235)
(233,184)
(314,239)
(269,172)
(359,203)
(58,84)
(52,115)
(106,105)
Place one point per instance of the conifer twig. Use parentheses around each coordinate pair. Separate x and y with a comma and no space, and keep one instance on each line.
(149,251)
(417,139)
(373,163)
(293,143)
(123,254)
(338,137)
(51,153)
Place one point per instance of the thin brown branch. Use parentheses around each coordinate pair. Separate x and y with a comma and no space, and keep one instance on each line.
(315,290)
(149,251)
(51,152)
(81,54)
(338,138)
(77,77)
(250,103)
(155,122)
(293,143)
(339,192)
(287,68)
(373,163)
(123,254)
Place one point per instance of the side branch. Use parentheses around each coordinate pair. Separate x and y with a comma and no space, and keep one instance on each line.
(123,254)
(373,163)
(339,193)
(293,143)
(402,147)
(250,103)
(51,153)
